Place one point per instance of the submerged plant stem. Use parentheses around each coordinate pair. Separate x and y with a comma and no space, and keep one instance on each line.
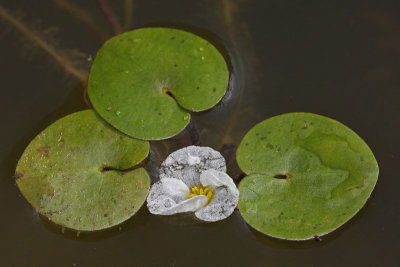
(229,10)
(82,15)
(110,16)
(128,14)
(37,40)
(193,133)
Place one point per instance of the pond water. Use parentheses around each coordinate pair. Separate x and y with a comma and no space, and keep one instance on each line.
(340,59)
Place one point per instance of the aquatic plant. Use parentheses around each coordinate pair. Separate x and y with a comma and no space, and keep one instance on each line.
(194,179)
(307,175)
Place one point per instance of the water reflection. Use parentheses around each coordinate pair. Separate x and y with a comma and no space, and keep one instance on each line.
(140,219)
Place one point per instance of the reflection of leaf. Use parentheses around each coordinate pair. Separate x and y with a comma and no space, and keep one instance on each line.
(141,80)
(78,172)
(326,174)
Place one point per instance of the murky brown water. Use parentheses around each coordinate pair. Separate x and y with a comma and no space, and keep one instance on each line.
(340,59)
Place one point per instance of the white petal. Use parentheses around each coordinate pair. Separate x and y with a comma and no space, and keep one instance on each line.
(165,194)
(225,198)
(187,163)
(191,204)
(216,178)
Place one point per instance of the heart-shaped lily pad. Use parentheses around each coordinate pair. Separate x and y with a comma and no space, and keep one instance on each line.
(308,175)
(143,82)
(79,173)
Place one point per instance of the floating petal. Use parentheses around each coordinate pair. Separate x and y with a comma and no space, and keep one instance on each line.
(165,194)
(225,198)
(188,205)
(221,207)
(216,178)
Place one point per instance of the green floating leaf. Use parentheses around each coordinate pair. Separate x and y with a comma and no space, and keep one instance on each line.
(143,81)
(78,173)
(308,175)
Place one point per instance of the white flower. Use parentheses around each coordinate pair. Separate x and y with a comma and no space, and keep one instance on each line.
(193,179)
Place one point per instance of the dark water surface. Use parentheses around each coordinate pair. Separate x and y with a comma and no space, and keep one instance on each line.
(340,59)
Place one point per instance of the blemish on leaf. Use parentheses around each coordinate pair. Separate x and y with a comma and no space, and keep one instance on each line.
(18,175)
(44,151)
(75,149)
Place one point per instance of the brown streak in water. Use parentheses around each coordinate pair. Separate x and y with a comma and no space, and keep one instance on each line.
(110,16)
(128,14)
(82,15)
(228,151)
(193,133)
(33,36)
(229,11)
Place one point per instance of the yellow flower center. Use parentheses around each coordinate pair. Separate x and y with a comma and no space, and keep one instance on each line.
(200,190)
